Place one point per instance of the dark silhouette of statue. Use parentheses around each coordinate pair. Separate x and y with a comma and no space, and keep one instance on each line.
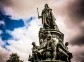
(48,19)
(69,54)
(35,52)
(62,52)
(51,46)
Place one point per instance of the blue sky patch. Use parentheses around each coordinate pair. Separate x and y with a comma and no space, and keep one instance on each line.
(10,24)
(6,36)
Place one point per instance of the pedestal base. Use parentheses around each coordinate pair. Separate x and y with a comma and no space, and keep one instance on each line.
(52,61)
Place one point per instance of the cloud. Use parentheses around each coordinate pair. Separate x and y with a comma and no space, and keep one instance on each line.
(12,42)
(79,40)
(5,2)
(77,11)
(6,23)
(23,38)
(4,54)
(78,53)
(69,15)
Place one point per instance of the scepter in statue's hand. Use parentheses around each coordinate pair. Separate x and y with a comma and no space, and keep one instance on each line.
(38,14)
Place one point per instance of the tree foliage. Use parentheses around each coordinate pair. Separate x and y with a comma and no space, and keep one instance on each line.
(14,58)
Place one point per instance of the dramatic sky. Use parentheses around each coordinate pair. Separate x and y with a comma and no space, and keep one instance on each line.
(19,26)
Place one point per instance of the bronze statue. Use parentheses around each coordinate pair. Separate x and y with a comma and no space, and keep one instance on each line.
(62,52)
(48,19)
(35,52)
(69,54)
(51,47)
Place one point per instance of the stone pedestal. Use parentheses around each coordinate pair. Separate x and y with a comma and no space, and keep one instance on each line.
(52,61)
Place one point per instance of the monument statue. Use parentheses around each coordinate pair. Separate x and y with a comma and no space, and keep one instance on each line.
(51,44)
(48,19)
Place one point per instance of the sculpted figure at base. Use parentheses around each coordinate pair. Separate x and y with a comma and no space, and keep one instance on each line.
(35,53)
(62,52)
(69,54)
(50,48)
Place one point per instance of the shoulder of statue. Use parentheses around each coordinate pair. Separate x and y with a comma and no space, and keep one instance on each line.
(37,46)
(50,9)
(43,10)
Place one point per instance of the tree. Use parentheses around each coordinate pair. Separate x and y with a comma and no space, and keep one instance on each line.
(14,58)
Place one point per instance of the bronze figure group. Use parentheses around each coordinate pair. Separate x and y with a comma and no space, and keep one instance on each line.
(51,43)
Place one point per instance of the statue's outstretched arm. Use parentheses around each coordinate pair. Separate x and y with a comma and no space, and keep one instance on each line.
(39,16)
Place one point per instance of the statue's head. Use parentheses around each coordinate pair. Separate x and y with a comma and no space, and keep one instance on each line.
(41,41)
(66,44)
(49,35)
(46,6)
(33,43)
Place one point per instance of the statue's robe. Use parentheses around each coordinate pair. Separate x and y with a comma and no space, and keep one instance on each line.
(48,20)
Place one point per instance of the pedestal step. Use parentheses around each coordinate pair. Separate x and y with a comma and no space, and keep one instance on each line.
(52,61)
